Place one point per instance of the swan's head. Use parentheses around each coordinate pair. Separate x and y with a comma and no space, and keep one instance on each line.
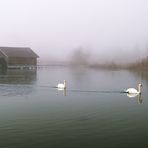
(140,85)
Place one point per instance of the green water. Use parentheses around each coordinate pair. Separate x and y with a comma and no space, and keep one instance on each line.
(91,113)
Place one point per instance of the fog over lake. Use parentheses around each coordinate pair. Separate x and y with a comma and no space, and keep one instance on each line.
(108,29)
(94,110)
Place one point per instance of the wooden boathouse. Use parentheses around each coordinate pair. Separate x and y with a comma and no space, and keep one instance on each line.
(17,57)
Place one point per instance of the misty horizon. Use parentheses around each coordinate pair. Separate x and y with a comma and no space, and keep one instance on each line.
(108,30)
(82,55)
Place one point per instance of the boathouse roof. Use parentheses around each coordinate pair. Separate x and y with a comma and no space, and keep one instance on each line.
(22,52)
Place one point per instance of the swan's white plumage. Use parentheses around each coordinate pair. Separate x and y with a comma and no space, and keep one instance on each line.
(133,90)
(62,85)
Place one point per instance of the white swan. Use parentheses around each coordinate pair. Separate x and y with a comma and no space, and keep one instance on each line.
(133,90)
(61,85)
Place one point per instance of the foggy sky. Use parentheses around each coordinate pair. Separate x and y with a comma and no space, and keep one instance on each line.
(111,29)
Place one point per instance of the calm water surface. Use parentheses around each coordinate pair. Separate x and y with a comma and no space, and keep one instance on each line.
(91,113)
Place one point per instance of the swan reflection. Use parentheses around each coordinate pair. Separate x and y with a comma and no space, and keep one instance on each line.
(62,90)
(139,99)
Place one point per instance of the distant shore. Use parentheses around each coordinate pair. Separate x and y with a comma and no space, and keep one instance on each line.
(139,65)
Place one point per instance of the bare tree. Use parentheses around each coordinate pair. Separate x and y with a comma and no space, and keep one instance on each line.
(80,57)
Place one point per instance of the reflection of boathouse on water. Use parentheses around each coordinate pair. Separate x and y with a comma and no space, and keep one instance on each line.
(17,76)
(17,81)
(17,57)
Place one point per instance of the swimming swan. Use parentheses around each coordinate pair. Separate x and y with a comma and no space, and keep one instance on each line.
(133,90)
(62,85)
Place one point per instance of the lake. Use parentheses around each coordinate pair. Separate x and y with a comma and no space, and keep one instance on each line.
(93,111)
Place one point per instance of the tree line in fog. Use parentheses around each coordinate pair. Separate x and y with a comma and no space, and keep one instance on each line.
(82,57)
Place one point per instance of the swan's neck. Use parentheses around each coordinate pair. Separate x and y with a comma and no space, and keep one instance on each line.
(64,84)
(139,88)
